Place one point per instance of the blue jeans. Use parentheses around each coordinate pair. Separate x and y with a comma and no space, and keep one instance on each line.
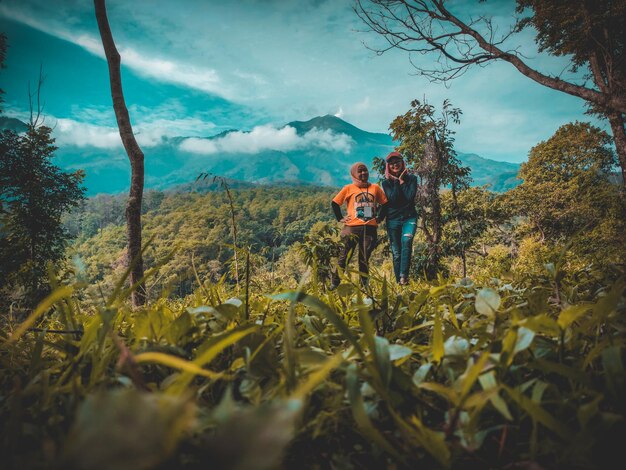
(401,232)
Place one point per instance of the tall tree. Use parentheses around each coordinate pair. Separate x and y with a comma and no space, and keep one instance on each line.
(589,32)
(34,194)
(135,155)
(427,144)
(566,183)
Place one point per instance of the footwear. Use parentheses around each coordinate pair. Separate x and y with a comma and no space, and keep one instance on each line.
(333,286)
(403,281)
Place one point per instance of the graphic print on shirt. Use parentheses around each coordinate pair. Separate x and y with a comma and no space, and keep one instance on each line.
(365,206)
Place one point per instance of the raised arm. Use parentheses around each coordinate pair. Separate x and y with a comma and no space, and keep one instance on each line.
(409,188)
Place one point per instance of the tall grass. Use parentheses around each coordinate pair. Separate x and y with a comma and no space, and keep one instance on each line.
(436,375)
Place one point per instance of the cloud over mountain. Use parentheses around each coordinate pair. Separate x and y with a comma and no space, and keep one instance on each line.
(263,138)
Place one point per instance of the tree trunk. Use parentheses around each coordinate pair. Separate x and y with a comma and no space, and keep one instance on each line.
(135,155)
(433,156)
(619,137)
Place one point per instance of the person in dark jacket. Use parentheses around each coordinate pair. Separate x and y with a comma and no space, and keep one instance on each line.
(400,188)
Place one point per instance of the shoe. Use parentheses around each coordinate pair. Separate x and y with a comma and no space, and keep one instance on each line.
(333,286)
(403,281)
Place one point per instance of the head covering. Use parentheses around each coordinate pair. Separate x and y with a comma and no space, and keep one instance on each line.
(392,155)
(354,175)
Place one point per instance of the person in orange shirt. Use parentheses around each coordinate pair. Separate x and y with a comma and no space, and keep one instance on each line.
(366,203)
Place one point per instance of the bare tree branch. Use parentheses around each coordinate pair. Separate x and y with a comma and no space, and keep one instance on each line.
(429,28)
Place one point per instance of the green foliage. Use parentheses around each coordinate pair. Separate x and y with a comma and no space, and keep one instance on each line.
(468,215)
(437,375)
(191,226)
(34,195)
(566,194)
(426,141)
(564,28)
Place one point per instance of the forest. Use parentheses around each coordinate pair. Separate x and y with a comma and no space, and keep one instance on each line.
(229,348)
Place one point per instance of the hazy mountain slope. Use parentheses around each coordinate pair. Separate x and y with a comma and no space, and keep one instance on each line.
(326,147)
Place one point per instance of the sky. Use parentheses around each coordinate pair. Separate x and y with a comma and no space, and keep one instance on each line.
(194,68)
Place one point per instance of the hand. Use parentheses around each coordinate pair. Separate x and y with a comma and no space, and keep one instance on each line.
(346,219)
(401,175)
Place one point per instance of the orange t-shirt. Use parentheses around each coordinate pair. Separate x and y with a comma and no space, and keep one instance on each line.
(363,203)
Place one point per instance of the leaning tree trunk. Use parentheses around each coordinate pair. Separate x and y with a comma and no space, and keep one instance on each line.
(135,155)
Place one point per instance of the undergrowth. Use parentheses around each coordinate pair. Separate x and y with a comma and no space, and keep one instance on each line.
(433,375)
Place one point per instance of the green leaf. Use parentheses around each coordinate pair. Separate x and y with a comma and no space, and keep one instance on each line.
(524,339)
(230,309)
(45,305)
(448,393)
(399,351)
(316,378)
(437,341)
(176,363)
(537,413)
(571,314)
(420,374)
(320,307)
(433,442)
(360,415)
(456,346)
(561,369)
(208,352)
(587,411)
(541,324)
(488,382)
(473,373)
(379,348)
(250,438)
(487,302)
(126,429)
(613,371)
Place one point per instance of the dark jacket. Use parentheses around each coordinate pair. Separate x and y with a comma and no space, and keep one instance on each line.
(401,197)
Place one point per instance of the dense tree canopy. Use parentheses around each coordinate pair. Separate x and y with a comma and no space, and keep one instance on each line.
(567,196)
(34,194)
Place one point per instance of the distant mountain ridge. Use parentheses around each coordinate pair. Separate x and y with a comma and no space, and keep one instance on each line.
(12,124)
(170,164)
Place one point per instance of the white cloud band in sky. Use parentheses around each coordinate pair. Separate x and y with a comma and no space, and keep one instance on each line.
(263,138)
(200,78)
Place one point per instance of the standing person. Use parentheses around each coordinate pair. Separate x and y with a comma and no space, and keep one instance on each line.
(400,188)
(365,203)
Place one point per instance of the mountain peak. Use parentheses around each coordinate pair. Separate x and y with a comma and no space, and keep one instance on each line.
(328,122)
(12,124)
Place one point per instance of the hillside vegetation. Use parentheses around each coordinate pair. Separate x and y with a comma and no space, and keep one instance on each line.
(252,363)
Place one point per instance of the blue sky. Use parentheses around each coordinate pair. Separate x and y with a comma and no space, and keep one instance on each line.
(194,68)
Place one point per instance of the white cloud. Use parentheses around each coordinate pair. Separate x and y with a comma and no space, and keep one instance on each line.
(80,134)
(200,78)
(71,132)
(263,138)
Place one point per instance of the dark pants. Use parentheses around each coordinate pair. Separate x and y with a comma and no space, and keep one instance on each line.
(401,232)
(363,237)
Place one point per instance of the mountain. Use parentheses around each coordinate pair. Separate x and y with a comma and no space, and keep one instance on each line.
(12,124)
(319,151)
(500,176)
